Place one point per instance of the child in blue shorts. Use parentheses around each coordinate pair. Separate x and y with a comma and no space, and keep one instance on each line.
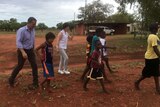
(46,57)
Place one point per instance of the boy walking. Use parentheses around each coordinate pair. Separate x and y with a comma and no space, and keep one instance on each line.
(46,57)
(152,56)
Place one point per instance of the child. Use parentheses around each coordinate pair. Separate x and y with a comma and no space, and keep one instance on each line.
(92,41)
(88,50)
(46,57)
(152,56)
(104,50)
(96,67)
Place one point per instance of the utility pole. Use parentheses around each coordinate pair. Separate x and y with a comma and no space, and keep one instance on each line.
(74,16)
(85,30)
(85,10)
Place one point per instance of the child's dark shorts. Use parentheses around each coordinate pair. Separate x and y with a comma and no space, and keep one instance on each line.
(151,68)
(48,68)
(95,74)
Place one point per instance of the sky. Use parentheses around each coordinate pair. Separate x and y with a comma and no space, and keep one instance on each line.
(49,12)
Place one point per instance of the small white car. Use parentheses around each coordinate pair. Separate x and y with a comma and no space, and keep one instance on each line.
(107,30)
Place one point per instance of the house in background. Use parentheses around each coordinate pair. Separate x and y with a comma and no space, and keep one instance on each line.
(133,27)
(81,28)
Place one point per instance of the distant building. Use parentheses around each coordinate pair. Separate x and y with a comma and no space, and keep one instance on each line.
(133,27)
(81,28)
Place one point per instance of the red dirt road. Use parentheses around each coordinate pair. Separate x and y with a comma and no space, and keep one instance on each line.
(67,89)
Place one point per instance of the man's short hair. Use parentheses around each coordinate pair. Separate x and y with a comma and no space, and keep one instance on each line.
(30,19)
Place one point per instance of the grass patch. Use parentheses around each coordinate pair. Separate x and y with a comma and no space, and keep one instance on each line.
(60,85)
(135,64)
(126,44)
(39,33)
(2,32)
(78,69)
(123,43)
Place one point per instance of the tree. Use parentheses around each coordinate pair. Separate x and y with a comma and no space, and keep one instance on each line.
(70,23)
(14,25)
(9,25)
(96,12)
(148,10)
(121,18)
(53,28)
(60,25)
(6,25)
(1,25)
(23,24)
(42,26)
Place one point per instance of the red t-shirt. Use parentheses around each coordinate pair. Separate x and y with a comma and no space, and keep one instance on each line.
(96,56)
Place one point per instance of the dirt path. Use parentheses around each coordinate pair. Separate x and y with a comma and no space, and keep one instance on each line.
(67,89)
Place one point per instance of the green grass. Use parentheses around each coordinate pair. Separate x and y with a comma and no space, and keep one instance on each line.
(135,64)
(2,32)
(40,33)
(126,44)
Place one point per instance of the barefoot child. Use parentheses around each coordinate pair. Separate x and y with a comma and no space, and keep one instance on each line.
(152,56)
(46,58)
(104,51)
(88,51)
(93,40)
(96,67)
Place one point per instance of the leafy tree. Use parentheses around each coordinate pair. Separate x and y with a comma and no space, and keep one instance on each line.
(1,25)
(6,25)
(71,25)
(60,25)
(23,24)
(14,25)
(121,18)
(42,26)
(53,28)
(95,12)
(148,10)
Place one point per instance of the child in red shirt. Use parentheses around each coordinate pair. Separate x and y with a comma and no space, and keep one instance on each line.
(96,72)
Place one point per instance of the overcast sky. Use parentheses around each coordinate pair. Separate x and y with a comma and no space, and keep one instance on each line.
(49,12)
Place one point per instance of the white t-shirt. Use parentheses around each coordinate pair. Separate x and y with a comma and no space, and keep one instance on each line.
(103,42)
(64,40)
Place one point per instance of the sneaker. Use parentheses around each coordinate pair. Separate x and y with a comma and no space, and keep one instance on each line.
(66,72)
(60,72)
